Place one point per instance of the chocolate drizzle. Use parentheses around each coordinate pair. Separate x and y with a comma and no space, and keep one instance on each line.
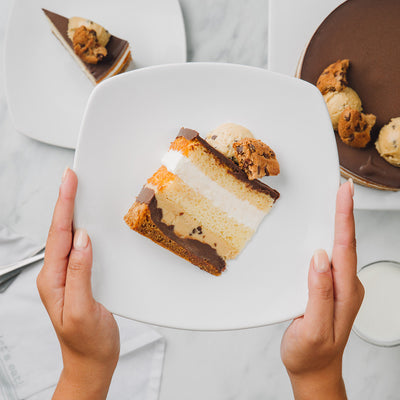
(233,169)
(199,249)
(115,47)
(366,32)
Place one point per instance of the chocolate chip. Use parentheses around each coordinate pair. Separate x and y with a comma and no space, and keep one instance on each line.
(268,155)
(252,148)
(181,213)
(258,170)
(358,127)
(193,231)
(266,171)
(239,149)
(215,244)
(199,230)
(347,116)
(351,137)
(213,137)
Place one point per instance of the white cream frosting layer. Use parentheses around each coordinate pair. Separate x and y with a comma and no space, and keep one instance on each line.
(241,210)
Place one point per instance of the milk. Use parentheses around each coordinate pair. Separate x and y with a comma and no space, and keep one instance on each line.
(378,320)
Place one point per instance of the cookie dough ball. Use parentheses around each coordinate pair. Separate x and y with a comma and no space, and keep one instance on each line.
(355,127)
(223,137)
(255,158)
(388,143)
(337,102)
(334,77)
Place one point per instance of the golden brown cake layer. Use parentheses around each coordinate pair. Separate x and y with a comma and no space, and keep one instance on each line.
(146,218)
(191,139)
(192,215)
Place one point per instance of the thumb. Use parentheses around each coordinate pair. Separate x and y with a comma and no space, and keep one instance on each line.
(78,287)
(320,307)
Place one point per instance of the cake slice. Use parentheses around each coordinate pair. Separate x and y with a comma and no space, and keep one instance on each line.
(99,54)
(199,204)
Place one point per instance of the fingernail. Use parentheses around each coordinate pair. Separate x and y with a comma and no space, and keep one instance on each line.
(351,186)
(81,239)
(321,261)
(65,174)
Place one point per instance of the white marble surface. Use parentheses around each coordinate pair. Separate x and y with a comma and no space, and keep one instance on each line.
(204,365)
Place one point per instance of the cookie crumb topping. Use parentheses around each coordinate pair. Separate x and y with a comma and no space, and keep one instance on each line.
(87,47)
(255,158)
(333,78)
(355,127)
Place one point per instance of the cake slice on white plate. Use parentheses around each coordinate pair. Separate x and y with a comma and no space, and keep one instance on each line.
(200,204)
(99,54)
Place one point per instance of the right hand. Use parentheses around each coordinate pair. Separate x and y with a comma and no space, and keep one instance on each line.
(313,345)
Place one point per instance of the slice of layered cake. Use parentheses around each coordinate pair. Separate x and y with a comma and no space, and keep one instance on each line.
(199,204)
(98,53)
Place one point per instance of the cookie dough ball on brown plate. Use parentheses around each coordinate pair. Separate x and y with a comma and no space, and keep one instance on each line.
(333,85)
(337,102)
(355,127)
(333,78)
(388,143)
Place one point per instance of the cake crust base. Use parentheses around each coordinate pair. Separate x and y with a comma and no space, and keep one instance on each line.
(139,219)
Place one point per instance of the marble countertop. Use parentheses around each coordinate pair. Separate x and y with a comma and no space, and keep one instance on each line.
(232,365)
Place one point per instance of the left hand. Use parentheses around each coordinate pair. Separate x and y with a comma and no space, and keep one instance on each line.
(87,332)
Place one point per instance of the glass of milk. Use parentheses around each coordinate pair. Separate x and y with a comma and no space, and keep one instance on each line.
(378,321)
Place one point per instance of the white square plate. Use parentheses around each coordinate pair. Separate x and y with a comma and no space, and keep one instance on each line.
(128,125)
(291,25)
(46,90)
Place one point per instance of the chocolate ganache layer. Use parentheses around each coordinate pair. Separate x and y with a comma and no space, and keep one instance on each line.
(367,32)
(115,47)
(199,249)
(233,168)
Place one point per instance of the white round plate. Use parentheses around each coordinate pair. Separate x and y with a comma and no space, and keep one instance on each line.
(46,89)
(129,123)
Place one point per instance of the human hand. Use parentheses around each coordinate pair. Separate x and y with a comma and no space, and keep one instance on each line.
(87,332)
(312,347)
